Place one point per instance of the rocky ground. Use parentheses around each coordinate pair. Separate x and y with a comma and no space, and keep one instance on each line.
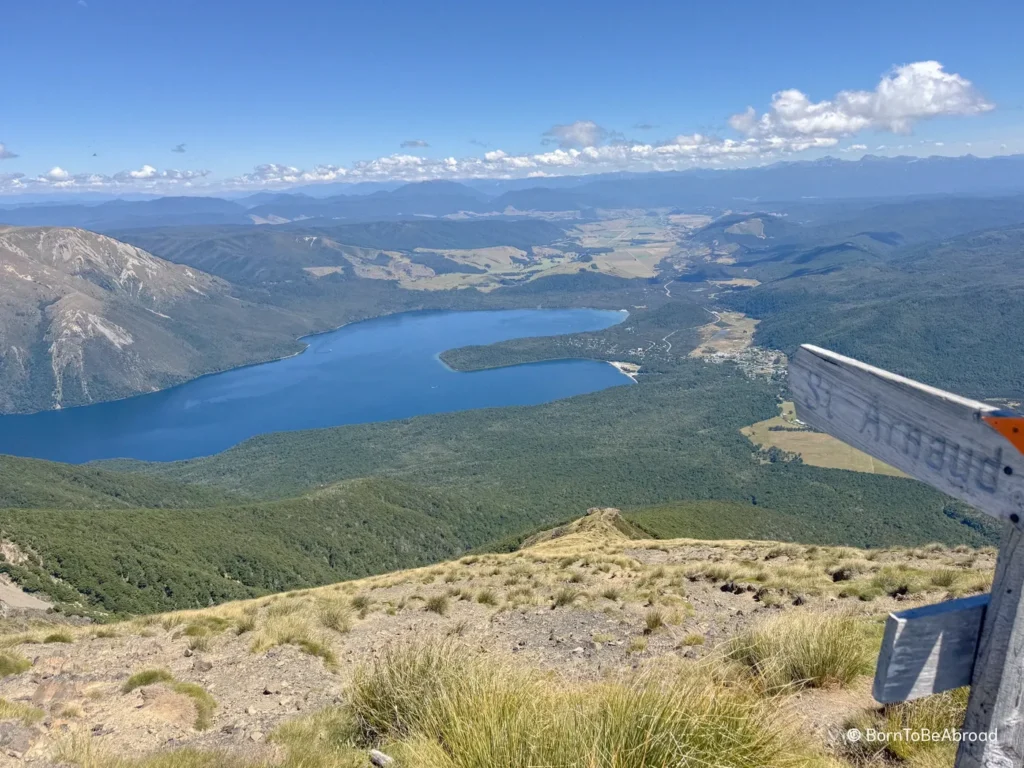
(582,601)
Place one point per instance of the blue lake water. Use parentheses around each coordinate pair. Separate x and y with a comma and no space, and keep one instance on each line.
(371,371)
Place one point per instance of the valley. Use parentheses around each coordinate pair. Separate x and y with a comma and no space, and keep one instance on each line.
(694,448)
(406,385)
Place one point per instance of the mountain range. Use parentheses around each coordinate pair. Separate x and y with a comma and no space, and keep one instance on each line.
(821,180)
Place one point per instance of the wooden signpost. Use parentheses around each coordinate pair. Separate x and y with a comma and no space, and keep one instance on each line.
(974,452)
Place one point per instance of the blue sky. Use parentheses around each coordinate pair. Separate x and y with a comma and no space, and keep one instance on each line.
(273,93)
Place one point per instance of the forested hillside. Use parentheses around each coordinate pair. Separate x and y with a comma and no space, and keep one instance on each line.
(937,312)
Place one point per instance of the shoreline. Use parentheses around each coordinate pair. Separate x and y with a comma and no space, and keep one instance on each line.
(302,340)
(626,369)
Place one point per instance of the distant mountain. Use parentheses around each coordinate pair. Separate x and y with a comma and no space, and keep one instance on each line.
(241,255)
(266,255)
(266,198)
(828,179)
(84,318)
(427,198)
(124,214)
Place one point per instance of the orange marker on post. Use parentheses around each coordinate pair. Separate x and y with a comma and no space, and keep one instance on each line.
(1010,425)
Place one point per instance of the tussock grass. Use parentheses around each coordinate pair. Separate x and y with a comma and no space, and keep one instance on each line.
(437,604)
(68,711)
(77,748)
(361,603)
(12,710)
(653,621)
(564,597)
(204,702)
(637,645)
(931,713)
(61,636)
(325,739)
(12,663)
(245,623)
(946,577)
(487,597)
(800,650)
(334,614)
(294,630)
(283,608)
(146,677)
(438,707)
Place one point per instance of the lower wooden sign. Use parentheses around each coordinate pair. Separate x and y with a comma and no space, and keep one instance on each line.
(929,649)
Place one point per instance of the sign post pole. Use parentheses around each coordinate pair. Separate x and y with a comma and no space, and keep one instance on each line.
(996,704)
(972,451)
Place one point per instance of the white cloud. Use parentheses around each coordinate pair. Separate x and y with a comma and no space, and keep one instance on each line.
(792,124)
(5,153)
(909,93)
(582,133)
(146,172)
(414,143)
(179,148)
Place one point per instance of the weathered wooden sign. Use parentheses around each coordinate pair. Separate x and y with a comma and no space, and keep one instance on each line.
(929,649)
(947,441)
(972,451)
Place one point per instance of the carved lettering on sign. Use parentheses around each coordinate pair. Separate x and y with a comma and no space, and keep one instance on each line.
(936,437)
(961,465)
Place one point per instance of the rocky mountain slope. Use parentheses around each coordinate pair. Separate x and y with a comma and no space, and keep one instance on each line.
(584,615)
(84,318)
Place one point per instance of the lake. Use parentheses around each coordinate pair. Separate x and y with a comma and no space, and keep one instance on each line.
(381,369)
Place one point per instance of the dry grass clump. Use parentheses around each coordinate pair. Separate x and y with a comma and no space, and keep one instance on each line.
(12,710)
(437,604)
(439,707)
(653,621)
(637,645)
(334,614)
(203,701)
(293,630)
(146,677)
(564,597)
(801,650)
(361,603)
(77,748)
(931,713)
(12,663)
